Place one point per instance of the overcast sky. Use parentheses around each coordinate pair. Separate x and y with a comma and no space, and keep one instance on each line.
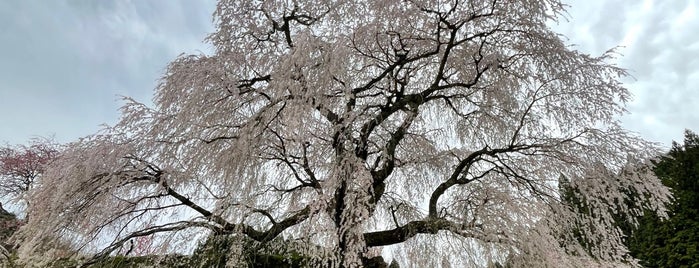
(63,63)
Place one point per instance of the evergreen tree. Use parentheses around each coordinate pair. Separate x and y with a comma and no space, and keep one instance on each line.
(674,242)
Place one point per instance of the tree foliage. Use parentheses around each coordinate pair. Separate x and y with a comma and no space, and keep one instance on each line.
(21,166)
(673,242)
(431,130)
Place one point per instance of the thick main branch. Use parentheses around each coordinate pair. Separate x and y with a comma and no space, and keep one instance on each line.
(405,232)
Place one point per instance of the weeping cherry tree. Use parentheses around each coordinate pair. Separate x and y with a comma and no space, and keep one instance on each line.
(432,132)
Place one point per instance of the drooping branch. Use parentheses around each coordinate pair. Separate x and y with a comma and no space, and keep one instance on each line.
(222,225)
(227,227)
(168,227)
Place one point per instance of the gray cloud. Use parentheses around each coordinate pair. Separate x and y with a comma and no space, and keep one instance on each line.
(660,49)
(64,62)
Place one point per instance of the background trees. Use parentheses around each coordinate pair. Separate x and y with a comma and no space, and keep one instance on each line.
(21,166)
(416,128)
(674,242)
